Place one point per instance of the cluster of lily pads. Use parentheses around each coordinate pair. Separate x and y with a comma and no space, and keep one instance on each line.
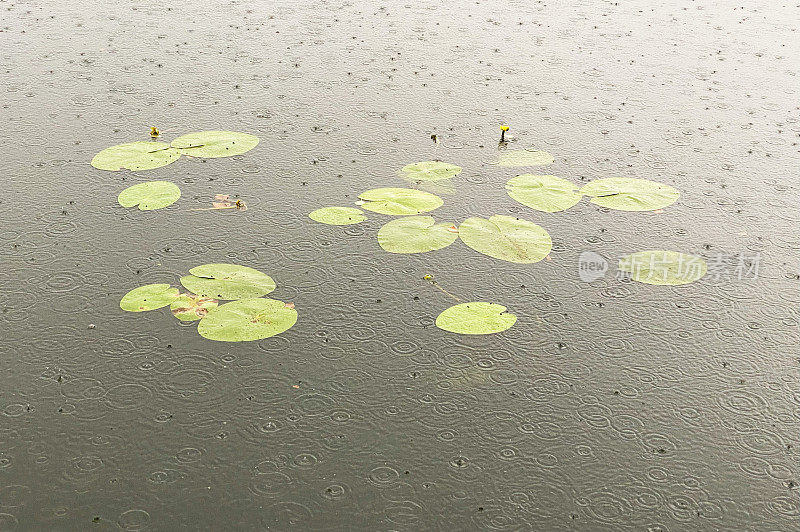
(247,316)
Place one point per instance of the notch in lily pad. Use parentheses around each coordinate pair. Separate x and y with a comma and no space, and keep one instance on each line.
(148,297)
(227,281)
(430,171)
(214,144)
(663,267)
(416,234)
(399,201)
(477,317)
(630,194)
(546,193)
(338,215)
(150,196)
(135,156)
(506,238)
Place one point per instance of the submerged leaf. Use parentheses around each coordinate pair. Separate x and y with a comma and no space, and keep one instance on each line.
(227,281)
(475,318)
(400,201)
(630,194)
(247,320)
(135,156)
(148,297)
(150,196)
(546,193)
(662,267)
(212,144)
(189,307)
(338,215)
(506,238)
(524,158)
(430,171)
(415,234)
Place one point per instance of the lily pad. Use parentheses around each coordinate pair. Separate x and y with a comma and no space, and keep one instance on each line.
(506,238)
(189,307)
(546,193)
(247,320)
(148,297)
(338,215)
(662,267)
(430,171)
(135,156)
(476,318)
(630,194)
(400,201)
(212,144)
(227,281)
(516,158)
(416,234)
(150,196)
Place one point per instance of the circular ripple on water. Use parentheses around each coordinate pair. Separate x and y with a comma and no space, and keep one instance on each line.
(284,515)
(128,396)
(383,476)
(14,496)
(503,427)
(742,402)
(335,492)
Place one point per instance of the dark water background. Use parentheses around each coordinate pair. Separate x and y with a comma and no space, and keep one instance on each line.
(609,405)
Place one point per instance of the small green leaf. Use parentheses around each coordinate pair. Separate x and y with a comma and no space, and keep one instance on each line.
(227,281)
(189,307)
(148,297)
(546,193)
(416,234)
(213,144)
(150,196)
(506,238)
(662,267)
(135,156)
(338,215)
(515,158)
(430,171)
(246,320)
(400,201)
(475,318)
(629,194)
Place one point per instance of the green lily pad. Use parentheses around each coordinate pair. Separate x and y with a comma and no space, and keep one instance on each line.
(135,156)
(416,234)
(662,267)
(546,193)
(524,158)
(476,318)
(148,297)
(212,144)
(430,171)
(506,238)
(400,201)
(227,281)
(247,320)
(150,196)
(630,194)
(189,307)
(338,215)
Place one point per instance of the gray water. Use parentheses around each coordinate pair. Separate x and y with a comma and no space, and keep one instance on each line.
(610,405)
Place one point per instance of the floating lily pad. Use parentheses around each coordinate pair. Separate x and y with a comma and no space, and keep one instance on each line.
(227,281)
(212,144)
(400,201)
(524,158)
(150,196)
(416,234)
(189,307)
(430,171)
(247,320)
(475,318)
(135,156)
(506,238)
(546,193)
(338,215)
(630,194)
(148,297)
(662,267)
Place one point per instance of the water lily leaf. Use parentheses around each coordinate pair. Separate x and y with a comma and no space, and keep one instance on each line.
(212,144)
(150,196)
(148,297)
(189,307)
(506,238)
(524,158)
(227,281)
(400,201)
(630,194)
(246,320)
(338,215)
(475,318)
(135,156)
(662,267)
(430,171)
(415,234)
(546,193)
